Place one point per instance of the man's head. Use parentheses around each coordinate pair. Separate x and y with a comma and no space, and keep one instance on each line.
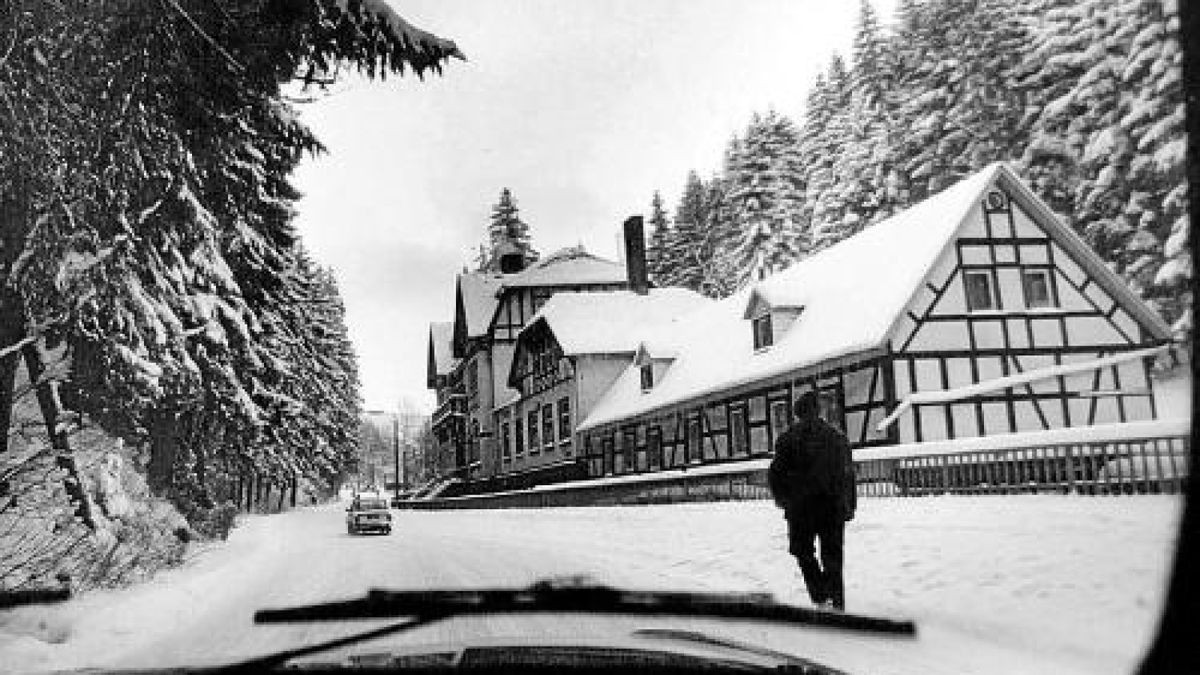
(806,406)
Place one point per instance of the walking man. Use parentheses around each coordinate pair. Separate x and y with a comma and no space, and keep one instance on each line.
(812,480)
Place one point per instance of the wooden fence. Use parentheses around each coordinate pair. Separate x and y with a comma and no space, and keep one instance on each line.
(1130,466)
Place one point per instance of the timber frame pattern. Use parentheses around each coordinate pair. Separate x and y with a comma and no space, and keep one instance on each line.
(938,343)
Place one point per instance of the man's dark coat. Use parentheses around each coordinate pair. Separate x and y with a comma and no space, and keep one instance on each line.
(812,474)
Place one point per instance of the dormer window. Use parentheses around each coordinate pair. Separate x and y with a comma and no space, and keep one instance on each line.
(647,371)
(771,319)
(764,335)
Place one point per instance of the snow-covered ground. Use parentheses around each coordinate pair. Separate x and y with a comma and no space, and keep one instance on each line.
(997,584)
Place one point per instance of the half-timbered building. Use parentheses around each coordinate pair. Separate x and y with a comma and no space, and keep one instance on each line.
(565,360)
(491,308)
(448,421)
(976,312)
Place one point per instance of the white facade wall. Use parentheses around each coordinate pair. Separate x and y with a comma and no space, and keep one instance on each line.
(942,342)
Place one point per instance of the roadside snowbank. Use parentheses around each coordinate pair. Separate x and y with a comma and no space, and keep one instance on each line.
(110,621)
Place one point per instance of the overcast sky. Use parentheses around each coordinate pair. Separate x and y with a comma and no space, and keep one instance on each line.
(582,108)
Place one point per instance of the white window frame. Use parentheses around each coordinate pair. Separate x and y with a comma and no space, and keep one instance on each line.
(768,336)
(993,305)
(1044,272)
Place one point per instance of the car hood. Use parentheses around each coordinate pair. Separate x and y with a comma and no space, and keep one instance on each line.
(640,646)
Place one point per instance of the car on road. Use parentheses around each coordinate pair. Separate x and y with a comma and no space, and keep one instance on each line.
(368,513)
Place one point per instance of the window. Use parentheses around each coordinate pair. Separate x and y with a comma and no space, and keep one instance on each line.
(761,326)
(979,291)
(505,438)
(533,431)
(737,428)
(626,459)
(564,419)
(548,426)
(647,377)
(1036,284)
(519,437)
(548,369)
(654,447)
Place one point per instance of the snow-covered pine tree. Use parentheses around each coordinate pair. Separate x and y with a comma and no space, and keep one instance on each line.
(130,221)
(506,229)
(861,170)
(1071,41)
(763,197)
(717,278)
(1102,200)
(657,255)
(962,106)
(1154,121)
(681,266)
(822,142)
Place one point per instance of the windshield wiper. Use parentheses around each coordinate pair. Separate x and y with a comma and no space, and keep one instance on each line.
(33,596)
(548,597)
(422,608)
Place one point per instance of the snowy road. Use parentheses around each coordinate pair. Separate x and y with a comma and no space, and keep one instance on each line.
(1016,584)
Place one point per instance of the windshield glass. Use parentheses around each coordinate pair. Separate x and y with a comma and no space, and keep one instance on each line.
(881,310)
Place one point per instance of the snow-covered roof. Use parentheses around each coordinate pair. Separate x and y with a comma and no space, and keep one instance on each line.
(851,294)
(441,336)
(614,321)
(568,267)
(477,292)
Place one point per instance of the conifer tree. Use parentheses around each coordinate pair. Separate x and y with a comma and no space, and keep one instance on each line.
(681,265)
(1153,120)
(143,171)
(763,197)
(823,141)
(657,254)
(506,230)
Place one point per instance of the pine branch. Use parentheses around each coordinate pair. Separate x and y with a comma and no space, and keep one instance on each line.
(238,67)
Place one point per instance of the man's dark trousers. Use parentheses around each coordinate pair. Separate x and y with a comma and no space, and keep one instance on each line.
(819,520)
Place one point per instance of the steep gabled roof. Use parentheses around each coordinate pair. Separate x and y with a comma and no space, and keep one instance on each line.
(852,294)
(441,351)
(475,300)
(568,267)
(612,322)
(616,321)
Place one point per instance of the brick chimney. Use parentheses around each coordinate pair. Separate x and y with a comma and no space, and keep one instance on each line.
(635,256)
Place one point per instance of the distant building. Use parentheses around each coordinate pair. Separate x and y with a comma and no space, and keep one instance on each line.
(567,358)
(975,312)
(468,367)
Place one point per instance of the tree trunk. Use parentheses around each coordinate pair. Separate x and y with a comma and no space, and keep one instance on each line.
(47,397)
(14,227)
(12,331)
(163,443)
